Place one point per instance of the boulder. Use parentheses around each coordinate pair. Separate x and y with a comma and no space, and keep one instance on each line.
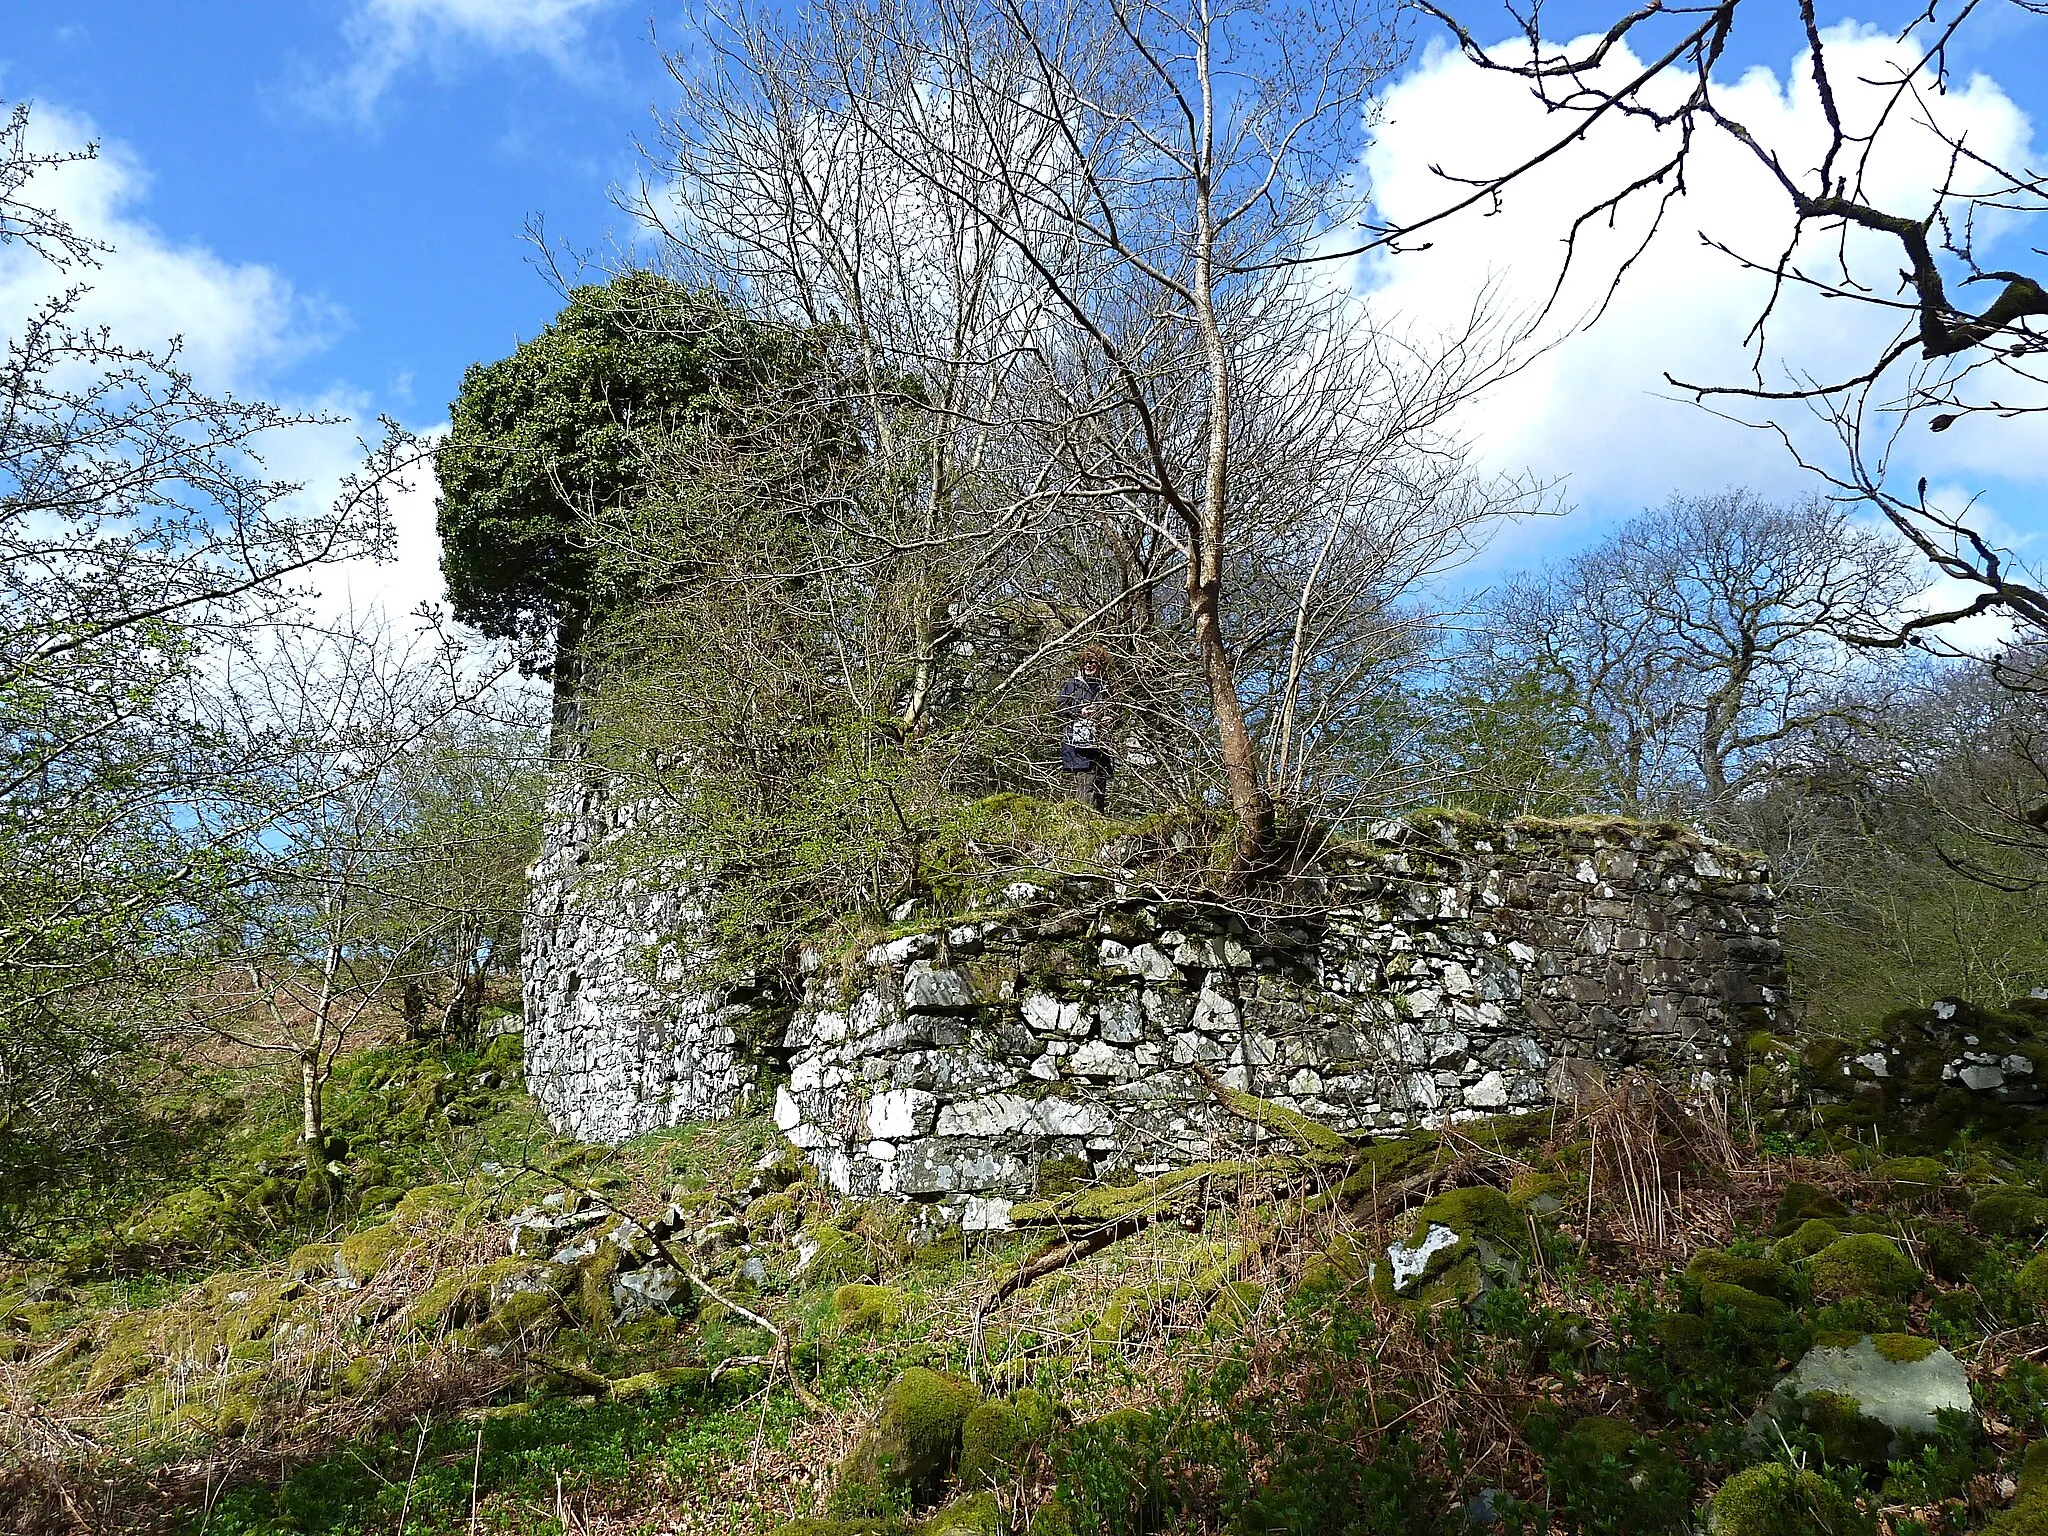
(1460,1243)
(1868,1397)
(913,1444)
(999,1437)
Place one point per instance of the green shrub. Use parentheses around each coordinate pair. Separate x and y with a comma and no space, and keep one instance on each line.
(1609,1480)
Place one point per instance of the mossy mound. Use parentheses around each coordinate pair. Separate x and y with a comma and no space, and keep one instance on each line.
(1799,1203)
(1753,1312)
(1765,1277)
(912,1446)
(1864,1266)
(1911,1176)
(2010,1213)
(362,1254)
(862,1308)
(1952,1254)
(999,1436)
(1778,1500)
(2032,1283)
(1807,1239)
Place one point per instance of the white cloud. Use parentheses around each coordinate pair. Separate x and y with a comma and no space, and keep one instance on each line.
(389,36)
(237,320)
(1597,408)
(238,325)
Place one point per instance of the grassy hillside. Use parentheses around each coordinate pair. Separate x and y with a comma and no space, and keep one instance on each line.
(692,1336)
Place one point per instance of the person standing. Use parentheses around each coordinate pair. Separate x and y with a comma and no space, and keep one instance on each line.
(1084,729)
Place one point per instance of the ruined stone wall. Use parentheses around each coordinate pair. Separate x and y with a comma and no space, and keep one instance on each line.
(619,1040)
(1449,970)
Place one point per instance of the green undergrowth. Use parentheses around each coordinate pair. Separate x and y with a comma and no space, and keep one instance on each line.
(1477,1329)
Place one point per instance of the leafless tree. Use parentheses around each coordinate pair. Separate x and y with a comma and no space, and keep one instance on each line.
(1085,245)
(1849,234)
(1706,641)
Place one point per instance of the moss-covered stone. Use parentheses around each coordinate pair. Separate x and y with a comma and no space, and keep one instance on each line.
(1766,1277)
(1778,1500)
(1600,1435)
(314,1261)
(829,1255)
(1902,1348)
(1098,1205)
(2010,1213)
(2031,1282)
(1911,1176)
(1866,1266)
(1846,1433)
(771,1213)
(1952,1254)
(459,1297)
(913,1444)
(976,1515)
(999,1436)
(362,1254)
(1799,1203)
(859,1308)
(1807,1239)
(1752,1310)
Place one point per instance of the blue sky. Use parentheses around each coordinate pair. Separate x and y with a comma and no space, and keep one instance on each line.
(333,197)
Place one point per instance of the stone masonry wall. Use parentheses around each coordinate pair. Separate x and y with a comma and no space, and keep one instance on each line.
(1450,970)
(618,1039)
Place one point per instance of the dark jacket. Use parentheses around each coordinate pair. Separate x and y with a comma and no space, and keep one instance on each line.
(1076,692)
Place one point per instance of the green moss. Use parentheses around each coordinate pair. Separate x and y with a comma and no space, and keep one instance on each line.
(2032,1283)
(999,1436)
(1777,1500)
(976,1515)
(362,1254)
(527,1315)
(1903,1348)
(1807,1239)
(1800,1202)
(433,1208)
(1753,1312)
(1478,1211)
(1952,1254)
(1847,1434)
(913,1444)
(1096,1206)
(1602,1435)
(837,1256)
(458,1298)
(1866,1266)
(1766,1277)
(1235,1307)
(859,1308)
(314,1261)
(1911,1174)
(770,1212)
(1308,1135)
(2010,1213)
(593,1300)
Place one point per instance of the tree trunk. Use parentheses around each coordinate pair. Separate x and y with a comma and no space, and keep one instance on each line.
(571,631)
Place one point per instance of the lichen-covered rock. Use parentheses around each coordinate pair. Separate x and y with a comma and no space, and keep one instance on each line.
(1460,1242)
(1864,1265)
(1869,1398)
(913,1444)
(1777,1500)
